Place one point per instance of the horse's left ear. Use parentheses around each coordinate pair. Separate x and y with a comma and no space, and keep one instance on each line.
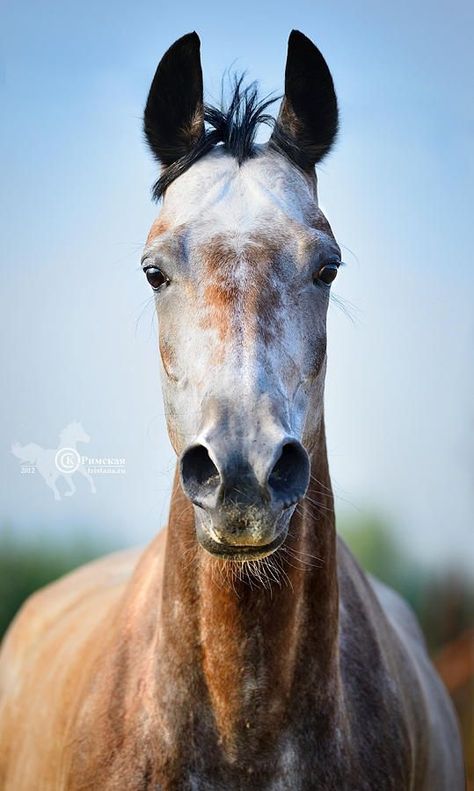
(174,114)
(308,119)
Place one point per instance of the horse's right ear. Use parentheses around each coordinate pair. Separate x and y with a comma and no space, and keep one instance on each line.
(174,112)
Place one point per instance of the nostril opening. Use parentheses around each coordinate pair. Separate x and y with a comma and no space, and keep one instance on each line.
(199,475)
(289,477)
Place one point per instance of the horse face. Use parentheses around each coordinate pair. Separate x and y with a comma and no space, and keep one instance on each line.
(241,260)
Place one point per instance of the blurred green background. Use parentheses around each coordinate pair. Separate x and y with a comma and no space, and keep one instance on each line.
(443,600)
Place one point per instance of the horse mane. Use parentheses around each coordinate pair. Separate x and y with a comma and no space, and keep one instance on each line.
(233,124)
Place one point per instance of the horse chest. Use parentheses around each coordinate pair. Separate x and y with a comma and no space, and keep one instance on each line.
(306,757)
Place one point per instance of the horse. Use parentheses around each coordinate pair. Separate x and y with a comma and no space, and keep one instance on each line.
(244,648)
(61,462)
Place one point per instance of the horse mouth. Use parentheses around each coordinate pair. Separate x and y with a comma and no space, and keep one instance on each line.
(241,552)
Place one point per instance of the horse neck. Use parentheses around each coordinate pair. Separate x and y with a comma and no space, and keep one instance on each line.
(252,643)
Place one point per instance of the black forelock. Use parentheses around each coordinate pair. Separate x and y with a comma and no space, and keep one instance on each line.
(233,124)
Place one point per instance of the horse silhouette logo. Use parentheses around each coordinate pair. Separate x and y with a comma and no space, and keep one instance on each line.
(61,462)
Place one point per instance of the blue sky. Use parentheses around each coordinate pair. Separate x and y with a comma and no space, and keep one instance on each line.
(78,330)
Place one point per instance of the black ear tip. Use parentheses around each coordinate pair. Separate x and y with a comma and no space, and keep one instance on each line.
(298,39)
(301,46)
(190,42)
(193,38)
(296,34)
(183,53)
(188,38)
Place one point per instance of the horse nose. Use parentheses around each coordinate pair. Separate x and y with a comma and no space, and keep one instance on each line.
(279,482)
(200,477)
(289,477)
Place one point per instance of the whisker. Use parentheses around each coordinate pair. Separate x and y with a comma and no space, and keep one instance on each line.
(314,508)
(349,310)
(310,561)
(148,303)
(313,478)
(355,257)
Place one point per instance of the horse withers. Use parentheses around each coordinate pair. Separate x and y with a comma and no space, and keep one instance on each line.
(244,648)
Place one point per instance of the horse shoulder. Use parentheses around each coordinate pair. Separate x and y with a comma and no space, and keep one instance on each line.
(43,657)
(383,651)
(444,761)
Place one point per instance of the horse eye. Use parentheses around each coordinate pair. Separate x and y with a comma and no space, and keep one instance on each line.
(327,273)
(155,277)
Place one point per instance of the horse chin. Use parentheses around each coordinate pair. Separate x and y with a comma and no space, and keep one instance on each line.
(241,553)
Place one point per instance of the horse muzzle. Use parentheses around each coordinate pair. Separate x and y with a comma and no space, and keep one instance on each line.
(243,509)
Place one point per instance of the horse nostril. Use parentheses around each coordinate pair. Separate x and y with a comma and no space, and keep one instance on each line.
(289,477)
(199,475)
